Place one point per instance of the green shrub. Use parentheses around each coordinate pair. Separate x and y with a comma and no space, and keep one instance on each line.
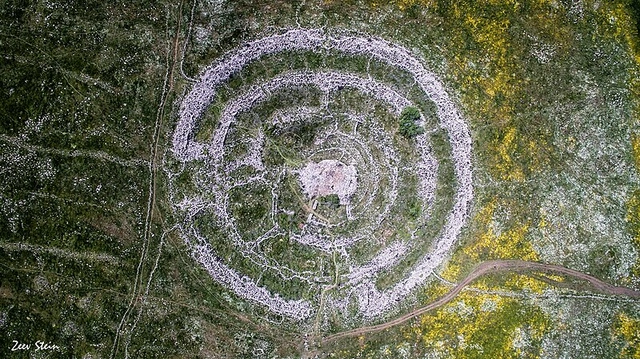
(408,126)
(332,201)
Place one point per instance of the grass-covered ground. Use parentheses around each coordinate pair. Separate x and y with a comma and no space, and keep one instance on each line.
(91,260)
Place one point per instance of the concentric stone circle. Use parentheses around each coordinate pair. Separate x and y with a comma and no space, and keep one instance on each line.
(358,170)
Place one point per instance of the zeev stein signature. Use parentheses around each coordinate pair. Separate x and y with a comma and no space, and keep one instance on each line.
(37,346)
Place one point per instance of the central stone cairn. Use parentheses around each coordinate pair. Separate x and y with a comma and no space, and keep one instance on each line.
(329,177)
(239,194)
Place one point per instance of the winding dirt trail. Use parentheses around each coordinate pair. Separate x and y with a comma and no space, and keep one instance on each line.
(482,269)
(126,329)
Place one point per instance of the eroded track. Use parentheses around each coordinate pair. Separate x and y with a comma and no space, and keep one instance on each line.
(486,268)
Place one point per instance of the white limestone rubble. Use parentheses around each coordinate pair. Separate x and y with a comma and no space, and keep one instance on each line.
(347,180)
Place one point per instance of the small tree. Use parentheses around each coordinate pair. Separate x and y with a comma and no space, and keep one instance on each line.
(332,201)
(408,126)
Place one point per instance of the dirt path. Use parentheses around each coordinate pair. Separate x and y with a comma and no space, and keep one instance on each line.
(125,328)
(485,268)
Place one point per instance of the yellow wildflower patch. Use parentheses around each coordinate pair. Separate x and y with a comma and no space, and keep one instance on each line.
(506,167)
(435,290)
(503,2)
(538,159)
(509,244)
(483,60)
(533,151)
(635,143)
(452,272)
(628,329)
(533,283)
(633,220)
(619,25)
(480,324)
(497,87)
(485,215)
(428,4)
(622,29)
(543,222)
(520,282)
(633,214)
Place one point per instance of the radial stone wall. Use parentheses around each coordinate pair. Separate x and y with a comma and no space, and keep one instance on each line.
(254,193)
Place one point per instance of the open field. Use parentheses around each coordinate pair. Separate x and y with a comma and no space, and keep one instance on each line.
(330,179)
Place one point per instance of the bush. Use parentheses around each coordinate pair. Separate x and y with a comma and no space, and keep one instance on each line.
(332,201)
(408,127)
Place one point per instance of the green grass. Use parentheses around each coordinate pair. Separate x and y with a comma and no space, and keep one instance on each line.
(88,77)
